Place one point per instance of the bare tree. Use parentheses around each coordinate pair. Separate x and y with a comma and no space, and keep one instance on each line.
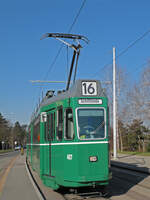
(139,97)
(145,91)
(121,93)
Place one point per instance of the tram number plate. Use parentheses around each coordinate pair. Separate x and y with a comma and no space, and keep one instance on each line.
(93,159)
(89,88)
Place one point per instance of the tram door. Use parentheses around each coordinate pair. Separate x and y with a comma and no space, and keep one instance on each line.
(51,135)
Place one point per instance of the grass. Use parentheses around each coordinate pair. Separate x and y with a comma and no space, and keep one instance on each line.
(5,151)
(135,153)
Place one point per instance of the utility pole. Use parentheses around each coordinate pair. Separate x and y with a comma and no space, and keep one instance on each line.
(114,105)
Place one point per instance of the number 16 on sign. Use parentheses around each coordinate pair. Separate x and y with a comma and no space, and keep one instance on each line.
(89,88)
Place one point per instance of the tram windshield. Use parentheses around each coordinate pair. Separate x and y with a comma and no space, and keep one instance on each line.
(91,123)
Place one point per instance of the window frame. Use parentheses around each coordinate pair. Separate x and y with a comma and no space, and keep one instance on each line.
(47,126)
(65,128)
(57,124)
(105,127)
(52,126)
(36,130)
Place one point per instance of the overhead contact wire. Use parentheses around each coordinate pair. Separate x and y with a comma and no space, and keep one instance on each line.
(59,50)
(74,21)
(125,50)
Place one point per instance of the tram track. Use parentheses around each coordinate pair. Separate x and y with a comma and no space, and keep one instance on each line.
(87,193)
(66,194)
(125,184)
(82,197)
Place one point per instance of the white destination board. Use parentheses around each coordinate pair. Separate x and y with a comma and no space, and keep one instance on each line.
(90,101)
(89,88)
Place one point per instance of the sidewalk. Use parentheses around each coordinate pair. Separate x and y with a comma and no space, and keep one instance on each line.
(135,162)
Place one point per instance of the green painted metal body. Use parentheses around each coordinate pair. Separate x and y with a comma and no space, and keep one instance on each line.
(66,163)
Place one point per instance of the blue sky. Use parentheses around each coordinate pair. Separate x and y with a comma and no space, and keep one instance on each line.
(24,57)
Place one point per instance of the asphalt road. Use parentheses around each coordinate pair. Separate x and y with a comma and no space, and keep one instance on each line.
(129,185)
(14,180)
(5,159)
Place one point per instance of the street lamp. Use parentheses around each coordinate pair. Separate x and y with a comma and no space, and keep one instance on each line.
(3,145)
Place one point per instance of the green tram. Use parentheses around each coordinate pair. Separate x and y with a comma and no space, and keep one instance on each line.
(68,141)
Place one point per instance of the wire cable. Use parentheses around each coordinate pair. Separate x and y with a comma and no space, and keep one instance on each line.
(59,50)
(133,43)
(75,19)
(69,30)
(137,68)
(124,51)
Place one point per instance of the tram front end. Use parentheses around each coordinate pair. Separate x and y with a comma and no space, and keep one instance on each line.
(87,162)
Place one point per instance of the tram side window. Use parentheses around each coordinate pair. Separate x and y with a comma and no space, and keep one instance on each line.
(60,123)
(36,132)
(52,126)
(69,127)
(46,128)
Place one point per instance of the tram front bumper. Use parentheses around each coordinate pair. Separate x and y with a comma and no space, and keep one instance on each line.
(83,179)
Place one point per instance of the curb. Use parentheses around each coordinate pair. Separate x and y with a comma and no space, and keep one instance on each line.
(132,167)
(4,154)
(44,192)
(34,183)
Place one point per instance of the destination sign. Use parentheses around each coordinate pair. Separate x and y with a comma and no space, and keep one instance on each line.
(90,101)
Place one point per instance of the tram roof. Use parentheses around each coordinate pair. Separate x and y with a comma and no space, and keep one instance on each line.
(75,91)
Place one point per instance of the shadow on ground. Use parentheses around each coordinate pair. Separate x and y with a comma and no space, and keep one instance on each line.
(121,181)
